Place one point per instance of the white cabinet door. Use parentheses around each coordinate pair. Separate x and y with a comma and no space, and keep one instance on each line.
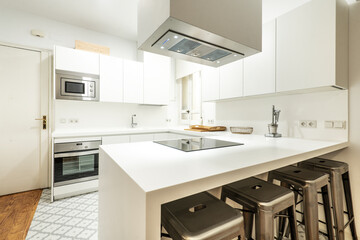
(76,60)
(163,136)
(141,137)
(231,80)
(306,50)
(185,68)
(210,84)
(133,82)
(156,79)
(259,69)
(111,79)
(115,139)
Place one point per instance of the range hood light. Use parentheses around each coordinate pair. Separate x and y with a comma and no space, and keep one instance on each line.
(175,36)
(162,47)
(235,55)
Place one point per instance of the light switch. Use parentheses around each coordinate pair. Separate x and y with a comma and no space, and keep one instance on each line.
(340,124)
(329,124)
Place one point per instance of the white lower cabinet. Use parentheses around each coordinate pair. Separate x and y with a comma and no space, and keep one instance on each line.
(141,137)
(115,139)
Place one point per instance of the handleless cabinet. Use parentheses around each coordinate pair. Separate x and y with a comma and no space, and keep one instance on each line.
(259,69)
(312,46)
(157,76)
(115,139)
(210,81)
(76,60)
(133,82)
(231,80)
(111,79)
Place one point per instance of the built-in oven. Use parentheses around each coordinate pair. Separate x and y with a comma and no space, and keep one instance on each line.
(77,86)
(75,162)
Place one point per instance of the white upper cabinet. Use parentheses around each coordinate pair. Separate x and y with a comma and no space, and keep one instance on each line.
(76,60)
(259,69)
(185,68)
(231,80)
(111,79)
(133,82)
(210,78)
(156,79)
(312,46)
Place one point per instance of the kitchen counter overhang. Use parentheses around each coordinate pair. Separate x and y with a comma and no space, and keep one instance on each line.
(135,179)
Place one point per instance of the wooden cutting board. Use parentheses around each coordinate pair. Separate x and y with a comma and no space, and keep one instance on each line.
(202,128)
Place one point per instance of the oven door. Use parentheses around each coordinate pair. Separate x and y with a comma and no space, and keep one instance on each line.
(75,167)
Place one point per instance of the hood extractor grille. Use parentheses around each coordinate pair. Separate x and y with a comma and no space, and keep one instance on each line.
(182,44)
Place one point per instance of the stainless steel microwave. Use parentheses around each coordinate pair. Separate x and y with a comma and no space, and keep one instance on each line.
(77,86)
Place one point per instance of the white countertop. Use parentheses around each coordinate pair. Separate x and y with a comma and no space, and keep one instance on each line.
(67,133)
(153,166)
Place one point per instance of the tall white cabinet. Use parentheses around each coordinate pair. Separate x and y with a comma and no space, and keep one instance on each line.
(156,79)
(111,79)
(312,46)
(259,69)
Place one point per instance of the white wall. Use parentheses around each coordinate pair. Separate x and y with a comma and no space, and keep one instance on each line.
(352,154)
(99,115)
(320,106)
(15,27)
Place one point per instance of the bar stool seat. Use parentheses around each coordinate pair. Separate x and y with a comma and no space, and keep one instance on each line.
(340,186)
(199,217)
(307,181)
(264,200)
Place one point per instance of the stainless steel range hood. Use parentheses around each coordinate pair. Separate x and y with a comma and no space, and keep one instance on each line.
(209,32)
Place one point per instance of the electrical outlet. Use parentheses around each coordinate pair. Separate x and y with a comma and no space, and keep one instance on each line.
(308,123)
(312,123)
(73,120)
(303,123)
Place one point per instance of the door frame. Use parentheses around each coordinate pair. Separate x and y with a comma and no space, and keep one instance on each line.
(46,107)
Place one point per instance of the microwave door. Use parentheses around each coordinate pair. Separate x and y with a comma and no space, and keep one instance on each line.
(73,87)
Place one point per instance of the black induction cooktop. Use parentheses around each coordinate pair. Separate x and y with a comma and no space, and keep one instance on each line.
(196,144)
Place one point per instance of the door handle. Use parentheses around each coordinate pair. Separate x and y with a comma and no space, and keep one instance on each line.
(43,119)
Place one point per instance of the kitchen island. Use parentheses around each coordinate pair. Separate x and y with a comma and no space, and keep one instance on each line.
(136,178)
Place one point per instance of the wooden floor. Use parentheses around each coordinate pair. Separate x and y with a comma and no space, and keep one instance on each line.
(16,213)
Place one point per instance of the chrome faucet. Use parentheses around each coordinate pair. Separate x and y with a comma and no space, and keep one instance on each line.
(133,123)
(274,124)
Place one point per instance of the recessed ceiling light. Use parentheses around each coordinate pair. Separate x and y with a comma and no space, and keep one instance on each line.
(175,36)
(235,55)
(162,47)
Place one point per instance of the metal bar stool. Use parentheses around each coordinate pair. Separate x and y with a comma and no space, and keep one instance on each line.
(340,186)
(308,181)
(264,200)
(201,217)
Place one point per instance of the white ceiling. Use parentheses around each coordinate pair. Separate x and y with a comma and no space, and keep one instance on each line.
(115,17)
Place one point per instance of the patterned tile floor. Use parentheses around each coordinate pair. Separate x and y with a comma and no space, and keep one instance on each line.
(74,218)
(67,219)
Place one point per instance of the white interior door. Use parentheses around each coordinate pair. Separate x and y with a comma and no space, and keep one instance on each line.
(24,77)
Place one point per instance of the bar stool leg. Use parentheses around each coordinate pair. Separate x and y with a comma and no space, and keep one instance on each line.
(327,210)
(293,223)
(311,213)
(248,222)
(349,205)
(264,225)
(337,193)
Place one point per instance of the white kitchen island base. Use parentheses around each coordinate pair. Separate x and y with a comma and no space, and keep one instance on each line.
(136,178)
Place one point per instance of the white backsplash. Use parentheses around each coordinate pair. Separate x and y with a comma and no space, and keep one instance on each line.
(100,115)
(319,106)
